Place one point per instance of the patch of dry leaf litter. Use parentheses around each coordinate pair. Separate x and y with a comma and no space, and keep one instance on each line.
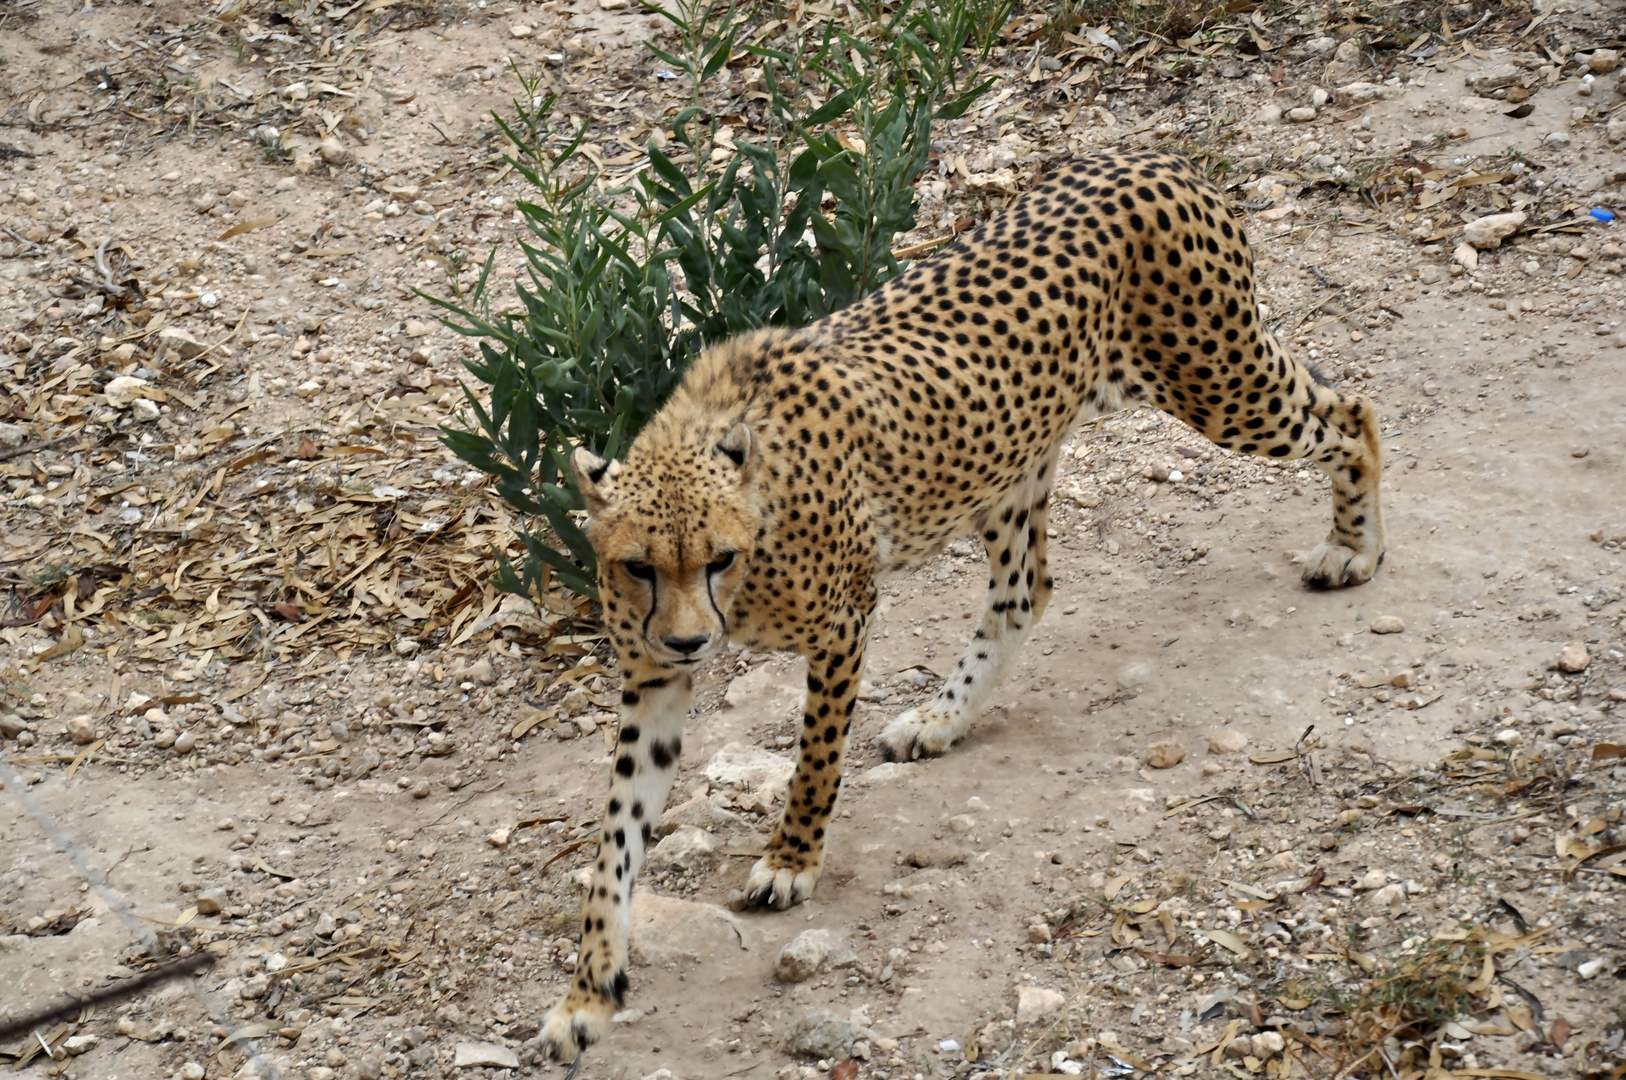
(1340,927)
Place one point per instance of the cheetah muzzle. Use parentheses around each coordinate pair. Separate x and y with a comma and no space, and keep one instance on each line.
(792,468)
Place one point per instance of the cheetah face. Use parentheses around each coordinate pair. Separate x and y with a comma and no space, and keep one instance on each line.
(674,535)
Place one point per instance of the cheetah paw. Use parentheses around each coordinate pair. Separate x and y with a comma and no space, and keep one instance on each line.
(580,1019)
(1332,566)
(920,731)
(779,886)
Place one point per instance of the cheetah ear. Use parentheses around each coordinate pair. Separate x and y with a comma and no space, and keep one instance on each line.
(736,447)
(590,470)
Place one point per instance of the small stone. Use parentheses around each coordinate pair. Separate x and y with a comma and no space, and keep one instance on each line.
(1165,754)
(210,901)
(1602,61)
(1039,933)
(474,1055)
(1466,256)
(1267,1044)
(1556,138)
(747,768)
(173,341)
(801,956)
(1268,114)
(1034,1002)
(416,329)
(1509,737)
(192,1070)
(1574,658)
(421,789)
(1491,230)
(499,839)
(520,30)
(79,1044)
(1301,115)
(1134,676)
(371,1066)
(333,151)
(320,1072)
(1387,624)
(144,411)
(685,849)
(185,742)
(325,925)
(82,730)
(12,725)
(1590,968)
(823,1035)
(1372,879)
(11,436)
(1229,741)
(482,671)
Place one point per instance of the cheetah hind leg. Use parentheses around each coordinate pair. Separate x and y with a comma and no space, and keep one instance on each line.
(1352,458)
(1019,586)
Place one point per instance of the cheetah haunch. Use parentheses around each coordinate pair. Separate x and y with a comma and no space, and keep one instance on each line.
(791,468)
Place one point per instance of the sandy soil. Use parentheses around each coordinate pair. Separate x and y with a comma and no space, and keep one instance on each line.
(313,773)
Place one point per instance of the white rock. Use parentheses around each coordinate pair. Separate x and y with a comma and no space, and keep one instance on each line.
(1388,624)
(801,956)
(1574,658)
(123,390)
(1134,676)
(79,1044)
(1267,1044)
(885,772)
(145,411)
(1229,741)
(333,151)
(1491,230)
(82,730)
(666,929)
(1373,879)
(193,1070)
(173,341)
(748,768)
(1165,754)
(1466,256)
(1034,1002)
(1590,968)
(685,849)
(11,436)
(473,1055)
(1268,114)
(1363,93)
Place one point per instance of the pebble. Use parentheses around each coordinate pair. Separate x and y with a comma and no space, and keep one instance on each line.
(420,790)
(1165,754)
(469,1055)
(1387,624)
(1491,230)
(1590,968)
(12,725)
(1372,879)
(1574,658)
(685,849)
(185,741)
(801,956)
(1229,741)
(82,730)
(1509,737)
(79,1044)
(824,1035)
(482,671)
(748,768)
(1134,676)
(1268,1044)
(144,411)
(192,1070)
(333,151)
(1268,114)
(1301,115)
(1034,1002)
(210,901)
(371,1067)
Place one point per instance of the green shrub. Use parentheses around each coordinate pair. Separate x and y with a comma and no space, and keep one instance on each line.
(626,285)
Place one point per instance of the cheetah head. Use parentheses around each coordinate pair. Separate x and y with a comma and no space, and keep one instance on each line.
(673,526)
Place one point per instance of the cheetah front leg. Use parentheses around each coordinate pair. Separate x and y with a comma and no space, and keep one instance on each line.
(1019,587)
(787,874)
(654,705)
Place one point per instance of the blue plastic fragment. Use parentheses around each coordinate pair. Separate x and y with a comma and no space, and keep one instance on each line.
(1605,216)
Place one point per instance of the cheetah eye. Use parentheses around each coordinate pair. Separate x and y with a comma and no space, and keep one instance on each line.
(638,569)
(722,562)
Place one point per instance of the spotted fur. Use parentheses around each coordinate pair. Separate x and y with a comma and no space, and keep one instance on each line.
(792,468)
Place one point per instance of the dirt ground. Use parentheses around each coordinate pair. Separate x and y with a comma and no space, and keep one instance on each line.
(1213,823)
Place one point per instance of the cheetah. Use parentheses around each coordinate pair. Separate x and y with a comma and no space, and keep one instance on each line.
(792,468)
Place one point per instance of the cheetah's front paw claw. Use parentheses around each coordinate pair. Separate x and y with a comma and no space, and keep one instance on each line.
(779,886)
(580,1019)
(1332,566)
(919,731)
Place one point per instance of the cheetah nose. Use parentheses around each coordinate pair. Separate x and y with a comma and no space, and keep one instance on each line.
(686,645)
